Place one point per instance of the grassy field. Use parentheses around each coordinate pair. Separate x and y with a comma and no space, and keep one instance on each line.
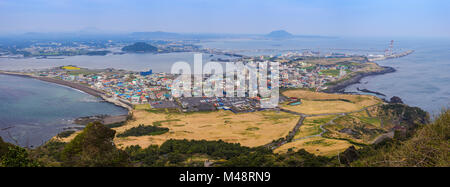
(324,103)
(142,107)
(316,145)
(321,103)
(248,129)
(311,126)
(366,129)
(330,61)
(262,127)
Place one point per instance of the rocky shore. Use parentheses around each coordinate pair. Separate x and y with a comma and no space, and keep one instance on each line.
(340,87)
(369,91)
(104,119)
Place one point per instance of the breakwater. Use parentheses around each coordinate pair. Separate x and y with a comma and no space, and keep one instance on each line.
(369,91)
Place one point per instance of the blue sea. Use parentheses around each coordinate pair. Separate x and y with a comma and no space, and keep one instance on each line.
(33,111)
(422,79)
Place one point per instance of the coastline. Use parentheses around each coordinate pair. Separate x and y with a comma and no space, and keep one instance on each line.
(88,90)
(340,87)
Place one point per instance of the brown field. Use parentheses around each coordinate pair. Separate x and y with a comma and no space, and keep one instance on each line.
(321,103)
(371,67)
(248,129)
(323,107)
(310,95)
(316,145)
(259,128)
(67,139)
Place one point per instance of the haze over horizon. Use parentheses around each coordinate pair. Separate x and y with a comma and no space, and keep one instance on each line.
(381,18)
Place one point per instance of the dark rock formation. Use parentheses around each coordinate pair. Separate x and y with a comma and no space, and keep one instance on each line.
(396,99)
(349,155)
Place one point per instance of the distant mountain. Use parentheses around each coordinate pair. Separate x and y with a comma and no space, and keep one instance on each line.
(160,35)
(94,34)
(282,34)
(155,35)
(279,34)
(140,47)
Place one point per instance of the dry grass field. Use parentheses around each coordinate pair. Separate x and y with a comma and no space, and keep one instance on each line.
(323,107)
(330,61)
(67,139)
(371,67)
(310,95)
(248,129)
(262,127)
(316,145)
(322,103)
(311,126)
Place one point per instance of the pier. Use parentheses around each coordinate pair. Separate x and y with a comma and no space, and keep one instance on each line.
(396,55)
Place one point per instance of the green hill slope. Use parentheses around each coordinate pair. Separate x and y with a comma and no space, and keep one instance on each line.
(140,47)
(428,147)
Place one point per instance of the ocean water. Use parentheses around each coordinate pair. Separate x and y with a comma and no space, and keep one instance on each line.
(33,111)
(422,79)
(132,62)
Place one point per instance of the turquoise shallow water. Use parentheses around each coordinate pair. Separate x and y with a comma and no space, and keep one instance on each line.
(33,111)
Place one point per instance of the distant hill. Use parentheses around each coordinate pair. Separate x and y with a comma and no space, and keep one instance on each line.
(282,34)
(279,34)
(156,35)
(160,35)
(140,47)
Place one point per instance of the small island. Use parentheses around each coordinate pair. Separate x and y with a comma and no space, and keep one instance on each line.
(279,34)
(140,47)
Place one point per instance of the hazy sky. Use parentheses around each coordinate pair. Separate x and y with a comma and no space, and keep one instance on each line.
(318,17)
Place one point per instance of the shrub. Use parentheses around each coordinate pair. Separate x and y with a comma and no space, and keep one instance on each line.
(65,134)
(94,147)
(142,130)
(17,157)
(115,125)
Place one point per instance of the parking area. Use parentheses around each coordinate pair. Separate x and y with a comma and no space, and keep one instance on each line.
(164,104)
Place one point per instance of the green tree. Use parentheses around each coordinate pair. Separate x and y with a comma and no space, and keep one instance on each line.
(17,157)
(94,147)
